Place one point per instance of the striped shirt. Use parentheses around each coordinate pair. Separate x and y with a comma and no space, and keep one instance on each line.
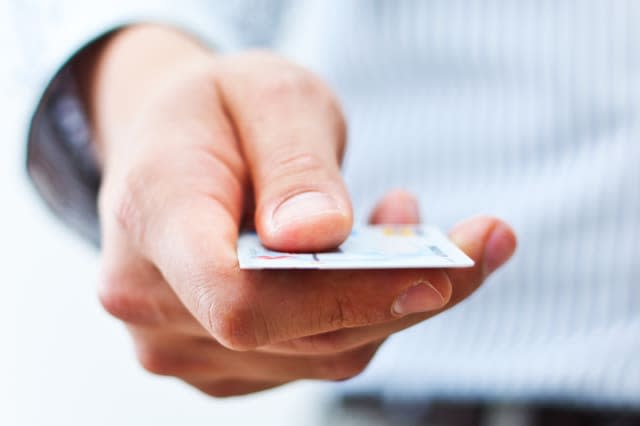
(528,110)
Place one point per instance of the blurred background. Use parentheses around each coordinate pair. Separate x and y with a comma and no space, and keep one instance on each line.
(561,139)
(63,360)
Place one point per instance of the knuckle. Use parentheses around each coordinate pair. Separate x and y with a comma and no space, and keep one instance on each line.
(347,365)
(219,390)
(231,322)
(288,164)
(118,297)
(224,305)
(115,301)
(349,312)
(233,327)
(325,343)
(156,362)
(225,388)
(342,314)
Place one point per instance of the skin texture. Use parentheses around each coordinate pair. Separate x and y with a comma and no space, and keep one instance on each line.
(193,145)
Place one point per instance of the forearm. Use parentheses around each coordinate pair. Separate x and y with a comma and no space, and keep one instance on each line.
(120,73)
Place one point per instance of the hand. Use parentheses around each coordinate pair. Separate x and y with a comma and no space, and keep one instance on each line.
(189,146)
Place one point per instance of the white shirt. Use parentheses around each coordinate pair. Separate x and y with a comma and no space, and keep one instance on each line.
(526,110)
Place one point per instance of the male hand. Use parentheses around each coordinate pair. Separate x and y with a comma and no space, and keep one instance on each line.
(192,144)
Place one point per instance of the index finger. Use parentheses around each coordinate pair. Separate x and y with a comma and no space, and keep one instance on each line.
(248,309)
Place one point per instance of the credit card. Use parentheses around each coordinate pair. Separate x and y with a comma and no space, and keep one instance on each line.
(367,247)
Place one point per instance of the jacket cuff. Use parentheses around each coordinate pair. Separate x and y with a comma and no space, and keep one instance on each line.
(60,159)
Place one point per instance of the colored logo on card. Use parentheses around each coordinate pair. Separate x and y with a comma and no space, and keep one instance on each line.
(399,231)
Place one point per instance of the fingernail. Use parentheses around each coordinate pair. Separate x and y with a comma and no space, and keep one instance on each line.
(499,248)
(421,297)
(303,205)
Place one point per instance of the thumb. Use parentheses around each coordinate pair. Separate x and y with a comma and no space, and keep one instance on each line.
(397,207)
(292,134)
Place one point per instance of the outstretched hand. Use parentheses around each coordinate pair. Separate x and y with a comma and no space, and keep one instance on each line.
(192,152)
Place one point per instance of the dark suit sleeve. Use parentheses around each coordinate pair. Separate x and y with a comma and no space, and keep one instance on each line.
(60,159)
